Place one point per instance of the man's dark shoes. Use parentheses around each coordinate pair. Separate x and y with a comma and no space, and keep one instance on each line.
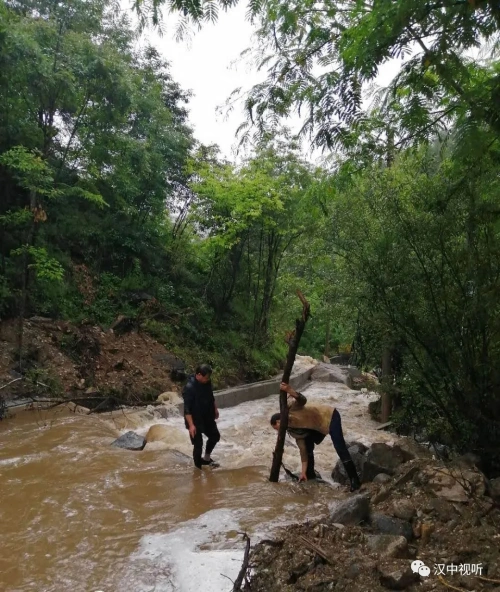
(209,463)
(350,469)
(355,484)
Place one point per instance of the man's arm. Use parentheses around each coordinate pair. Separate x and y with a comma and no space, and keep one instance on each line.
(188,397)
(301,443)
(300,400)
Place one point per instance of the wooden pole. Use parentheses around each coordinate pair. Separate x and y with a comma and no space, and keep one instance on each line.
(293,345)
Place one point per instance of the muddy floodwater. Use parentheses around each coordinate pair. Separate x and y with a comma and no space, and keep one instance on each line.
(79,515)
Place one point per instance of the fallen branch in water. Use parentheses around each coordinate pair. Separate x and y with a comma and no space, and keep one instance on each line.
(241,576)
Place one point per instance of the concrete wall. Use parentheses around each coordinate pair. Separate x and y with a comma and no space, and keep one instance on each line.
(247,392)
(257,390)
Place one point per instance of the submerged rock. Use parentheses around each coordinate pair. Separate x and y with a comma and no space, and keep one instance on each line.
(130,441)
(158,433)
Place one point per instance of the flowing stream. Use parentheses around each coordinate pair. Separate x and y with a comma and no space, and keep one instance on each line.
(80,515)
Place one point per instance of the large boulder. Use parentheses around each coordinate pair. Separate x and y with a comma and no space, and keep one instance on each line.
(379,458)
(352,511)
(329,373)
(158,433)
(339,473)
(382,458)
(169,397)
(455,484)
(389,525)
(130,441)
(356,446)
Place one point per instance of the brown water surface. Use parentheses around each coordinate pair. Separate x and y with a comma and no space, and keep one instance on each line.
(79,515)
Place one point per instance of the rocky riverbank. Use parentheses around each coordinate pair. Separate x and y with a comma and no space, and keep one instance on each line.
(428,526)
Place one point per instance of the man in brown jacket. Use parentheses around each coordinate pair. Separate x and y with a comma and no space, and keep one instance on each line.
(311,423)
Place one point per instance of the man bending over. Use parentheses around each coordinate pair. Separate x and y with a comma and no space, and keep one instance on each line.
(309,423)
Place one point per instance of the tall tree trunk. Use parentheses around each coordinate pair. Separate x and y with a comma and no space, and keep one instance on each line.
(293,346)
(387,354)
(386,401)
(327,338)
(25,282)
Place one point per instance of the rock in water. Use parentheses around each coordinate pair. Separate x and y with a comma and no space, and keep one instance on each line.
(328,373)
(339,474)
(159,433)
(130,441)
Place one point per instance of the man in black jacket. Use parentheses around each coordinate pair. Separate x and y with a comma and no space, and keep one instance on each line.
(200,413)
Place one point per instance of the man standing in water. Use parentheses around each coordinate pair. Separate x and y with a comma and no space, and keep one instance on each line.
(309,425)
(200,413)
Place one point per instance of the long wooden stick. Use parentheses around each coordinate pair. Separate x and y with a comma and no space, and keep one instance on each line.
(293,346)
(244,566)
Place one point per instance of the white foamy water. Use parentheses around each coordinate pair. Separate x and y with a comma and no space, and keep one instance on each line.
(248,439)
(80,515)
(181,564)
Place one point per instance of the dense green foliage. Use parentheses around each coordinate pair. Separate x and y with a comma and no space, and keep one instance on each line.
(98,214)
(110,207)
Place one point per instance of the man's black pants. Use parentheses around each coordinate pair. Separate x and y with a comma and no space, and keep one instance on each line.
(311,440)
(337,437)
(212,433)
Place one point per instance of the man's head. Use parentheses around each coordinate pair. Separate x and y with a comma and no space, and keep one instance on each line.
(275,421)
(203,373)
